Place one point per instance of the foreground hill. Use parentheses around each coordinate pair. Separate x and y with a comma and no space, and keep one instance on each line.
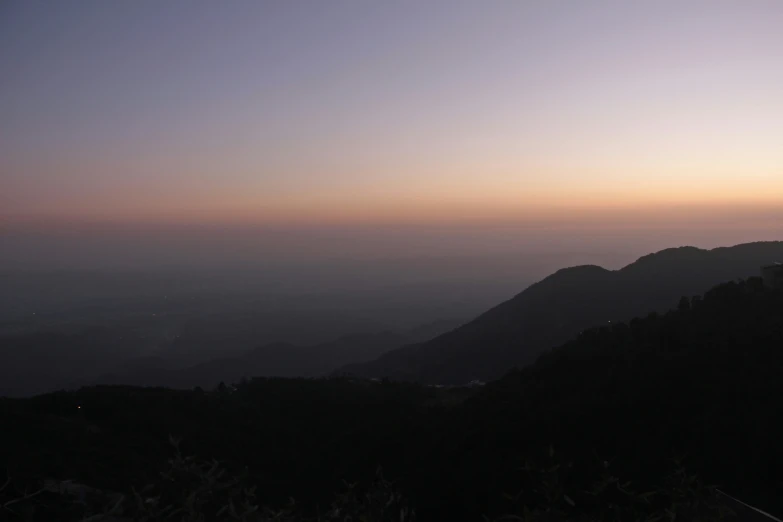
(588,432)
(557,308)
(701,382)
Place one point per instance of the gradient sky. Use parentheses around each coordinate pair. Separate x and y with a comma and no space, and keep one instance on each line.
(580,114)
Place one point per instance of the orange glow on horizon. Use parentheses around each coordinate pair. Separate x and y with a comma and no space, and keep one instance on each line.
(585,212)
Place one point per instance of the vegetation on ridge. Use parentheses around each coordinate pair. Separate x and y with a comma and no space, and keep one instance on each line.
(189,489)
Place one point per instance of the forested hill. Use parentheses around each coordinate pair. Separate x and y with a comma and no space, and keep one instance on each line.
(557,308)
(599,429)
(700,382)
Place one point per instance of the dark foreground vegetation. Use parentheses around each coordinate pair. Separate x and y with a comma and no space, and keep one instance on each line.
(602,428)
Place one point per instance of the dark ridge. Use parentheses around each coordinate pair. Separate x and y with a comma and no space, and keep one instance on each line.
(560,306)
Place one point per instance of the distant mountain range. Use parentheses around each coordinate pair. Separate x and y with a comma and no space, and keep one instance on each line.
(275,359)
(554,310)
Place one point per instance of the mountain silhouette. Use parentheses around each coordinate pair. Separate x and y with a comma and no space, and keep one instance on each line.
(550,312)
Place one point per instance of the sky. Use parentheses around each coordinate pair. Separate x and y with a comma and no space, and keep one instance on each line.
(383,123)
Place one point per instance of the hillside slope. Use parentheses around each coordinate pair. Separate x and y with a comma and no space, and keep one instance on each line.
(559,307)
(700,383)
